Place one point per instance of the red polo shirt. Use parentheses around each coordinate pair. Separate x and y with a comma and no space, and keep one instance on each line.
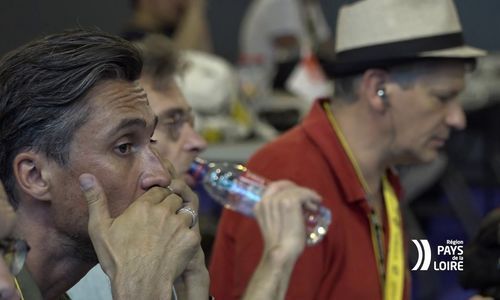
(343,265)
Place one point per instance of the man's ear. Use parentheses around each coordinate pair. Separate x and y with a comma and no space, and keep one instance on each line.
(32,171)
(372,89)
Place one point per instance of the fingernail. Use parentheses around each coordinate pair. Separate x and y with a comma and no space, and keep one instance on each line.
(86,182)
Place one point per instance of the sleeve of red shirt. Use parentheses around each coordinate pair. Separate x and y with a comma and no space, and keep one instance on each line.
(238,247)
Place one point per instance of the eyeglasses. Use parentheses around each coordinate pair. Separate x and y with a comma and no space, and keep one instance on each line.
(14,253)
(174,121)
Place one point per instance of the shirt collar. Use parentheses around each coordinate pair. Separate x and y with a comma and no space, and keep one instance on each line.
(318,128)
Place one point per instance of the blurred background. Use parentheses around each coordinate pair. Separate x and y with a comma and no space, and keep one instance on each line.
(23,20)
(445,200)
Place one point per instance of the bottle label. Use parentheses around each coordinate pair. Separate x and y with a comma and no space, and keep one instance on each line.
(249,186)
(243,192)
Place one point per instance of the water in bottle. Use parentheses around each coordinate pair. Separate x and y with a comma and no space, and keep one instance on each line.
(233,186)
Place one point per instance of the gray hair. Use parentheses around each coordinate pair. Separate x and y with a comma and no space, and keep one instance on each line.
(404,74)
(43,85)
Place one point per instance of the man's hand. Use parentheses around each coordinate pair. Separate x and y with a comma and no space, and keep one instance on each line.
(281,220)
(194,282)
(149,245)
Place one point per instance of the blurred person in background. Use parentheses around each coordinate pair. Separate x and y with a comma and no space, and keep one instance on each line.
(276,34)
(398,70)
(176,137)
(184,21)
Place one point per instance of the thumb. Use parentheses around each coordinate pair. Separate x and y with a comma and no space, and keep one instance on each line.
(96,200)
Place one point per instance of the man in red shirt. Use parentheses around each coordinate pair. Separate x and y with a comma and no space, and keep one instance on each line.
(399,69)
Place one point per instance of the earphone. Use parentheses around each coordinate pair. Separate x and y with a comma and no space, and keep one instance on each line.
(381,93)
(386,104)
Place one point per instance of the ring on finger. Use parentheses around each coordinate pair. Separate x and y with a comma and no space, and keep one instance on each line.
(192,212)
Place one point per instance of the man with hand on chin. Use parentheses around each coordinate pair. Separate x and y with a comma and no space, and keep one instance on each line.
(71,115)
(82,171)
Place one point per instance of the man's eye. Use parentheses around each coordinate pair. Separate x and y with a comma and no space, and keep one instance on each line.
(176,118)
(153,141)
(124,148)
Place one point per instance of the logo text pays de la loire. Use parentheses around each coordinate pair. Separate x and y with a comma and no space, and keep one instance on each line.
(447,257)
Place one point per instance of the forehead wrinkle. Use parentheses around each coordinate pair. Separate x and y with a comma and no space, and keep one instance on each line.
(126,95)
(122,99)
(116,98)
(132,122)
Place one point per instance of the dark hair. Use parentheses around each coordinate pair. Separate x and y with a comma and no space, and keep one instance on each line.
(43,87)
(160,59)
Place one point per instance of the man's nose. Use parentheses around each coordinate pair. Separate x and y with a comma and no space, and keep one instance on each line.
(456,116)
(194,142)
(7,289)
(156,172)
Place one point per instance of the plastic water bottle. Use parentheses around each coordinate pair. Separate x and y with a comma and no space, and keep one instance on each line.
(233,186)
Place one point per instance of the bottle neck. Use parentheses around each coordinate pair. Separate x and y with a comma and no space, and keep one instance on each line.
(198,169)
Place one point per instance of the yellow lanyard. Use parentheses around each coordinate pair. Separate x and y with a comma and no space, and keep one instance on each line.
(391,273)
(19,289)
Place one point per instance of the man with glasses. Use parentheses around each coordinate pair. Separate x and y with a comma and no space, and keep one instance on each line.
(178,142)
(176,138)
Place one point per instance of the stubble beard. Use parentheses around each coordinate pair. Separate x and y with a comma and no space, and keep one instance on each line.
(80,247)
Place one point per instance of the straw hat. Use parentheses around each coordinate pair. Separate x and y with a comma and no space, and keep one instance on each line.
(374,33)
